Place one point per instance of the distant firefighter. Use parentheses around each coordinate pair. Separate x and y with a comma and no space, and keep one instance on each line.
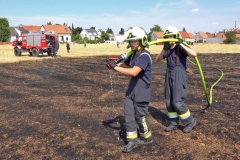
(68,47)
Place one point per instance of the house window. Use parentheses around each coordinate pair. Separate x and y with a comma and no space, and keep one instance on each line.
(66,38)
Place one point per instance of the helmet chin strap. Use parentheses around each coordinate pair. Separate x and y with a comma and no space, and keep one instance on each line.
(139,48)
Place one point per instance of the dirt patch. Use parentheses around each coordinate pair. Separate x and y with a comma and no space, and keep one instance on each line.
(63,108)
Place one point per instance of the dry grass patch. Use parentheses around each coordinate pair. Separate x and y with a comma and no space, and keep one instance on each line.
(78,50)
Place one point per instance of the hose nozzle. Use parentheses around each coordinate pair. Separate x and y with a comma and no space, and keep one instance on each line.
(118,60)
(122,57)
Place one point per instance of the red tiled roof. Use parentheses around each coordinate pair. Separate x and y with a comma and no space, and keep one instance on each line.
(184,34)
(237,35)
(210,35)
(159,34)
(59,29)
(221,35)
(236,30)
(191,35)
(31,27)
(204,35)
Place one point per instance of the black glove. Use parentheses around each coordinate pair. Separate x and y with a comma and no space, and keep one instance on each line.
(110,64)
(166,46)
(180,41)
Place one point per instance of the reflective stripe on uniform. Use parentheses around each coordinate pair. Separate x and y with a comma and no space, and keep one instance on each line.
(145,127)
(132,135)
(185,115)
(172,114)
(140,56)
(146,135)
(147,55)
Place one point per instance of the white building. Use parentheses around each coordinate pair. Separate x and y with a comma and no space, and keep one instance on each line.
(63,32)
(16,31)
(91,34)
(118,38)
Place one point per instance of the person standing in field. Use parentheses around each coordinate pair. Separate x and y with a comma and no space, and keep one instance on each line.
(138,67)
(85,44)
(68,47)
(53,47)
(176,80)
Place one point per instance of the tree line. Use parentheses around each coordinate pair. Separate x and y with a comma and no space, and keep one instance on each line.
(5,33)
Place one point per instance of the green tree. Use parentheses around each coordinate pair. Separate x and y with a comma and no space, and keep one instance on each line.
(156,28)
(72,27)
(104,36)
(5,32)
(49,23)
(231,38)
(109,30)
(121,31)
(92,28)
(77,30)
(76,37)
(76,34)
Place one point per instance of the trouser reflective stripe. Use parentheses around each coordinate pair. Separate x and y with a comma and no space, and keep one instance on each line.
(132,135)
(146,135)
(145,127)
(185,115)
(172,114)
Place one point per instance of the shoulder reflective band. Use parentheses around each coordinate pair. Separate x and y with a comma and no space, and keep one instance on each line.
(147,55)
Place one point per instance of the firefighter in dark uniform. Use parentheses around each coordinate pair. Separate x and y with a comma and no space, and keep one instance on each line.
(139,67)
(53,47)
(176,80)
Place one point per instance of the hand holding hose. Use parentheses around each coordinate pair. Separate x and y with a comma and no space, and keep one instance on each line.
(110,64)
(166,46)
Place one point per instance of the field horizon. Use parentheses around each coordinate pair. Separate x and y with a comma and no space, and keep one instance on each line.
(78,50)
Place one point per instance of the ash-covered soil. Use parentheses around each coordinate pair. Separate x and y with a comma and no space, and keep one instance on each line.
(63,108)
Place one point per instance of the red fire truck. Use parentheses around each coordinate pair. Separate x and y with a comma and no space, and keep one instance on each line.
(34,43)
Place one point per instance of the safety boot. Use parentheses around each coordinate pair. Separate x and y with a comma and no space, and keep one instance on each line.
(129,147)
(190,126)
(145,141)
(171,127)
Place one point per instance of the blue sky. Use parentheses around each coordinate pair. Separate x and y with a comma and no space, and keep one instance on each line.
(194,15)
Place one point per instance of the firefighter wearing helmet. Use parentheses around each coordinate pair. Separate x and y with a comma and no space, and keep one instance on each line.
(139,34)
(176,80)
(171,31)
(139,67)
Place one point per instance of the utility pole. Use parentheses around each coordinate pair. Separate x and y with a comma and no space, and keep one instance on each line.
(235,25)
